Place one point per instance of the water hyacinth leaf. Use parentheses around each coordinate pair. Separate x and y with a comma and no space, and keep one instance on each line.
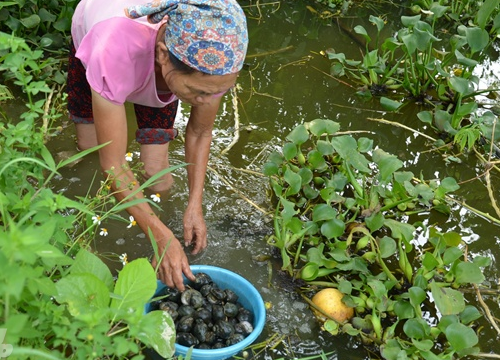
(425,116)
(365,145)
(158,332)
(332,228)
(485,11)
(86,262)
(468,273)
(316,160)
(446,186)
(309,272)
(270,169)
(389,104)
(83,293)
(482,261)
(448,301)
(378,287)
(347,147)
(452,238)
(400,230)
(136,284)
(391,350)
(410,42)
(325,147)
(309,192)
(464,60)
(289,151)
(387,247)
(477,38)
(410,21)
(323,212)
(319,127)
(375,221)
(345,286)
(330,194)
(306,175)
(451,254)
(417,296)
(277,188)
(294,182)
(438,10)
(416,328)
(404,310)
(387,164)
(460,336)
(446,321)
(331,326)
(461,85)
(379,23)
(429,261)
(298,135)
(288,211)
(424,345)
(362,31)
(469,314)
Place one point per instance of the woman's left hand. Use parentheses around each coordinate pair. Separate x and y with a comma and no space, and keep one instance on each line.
(195,230)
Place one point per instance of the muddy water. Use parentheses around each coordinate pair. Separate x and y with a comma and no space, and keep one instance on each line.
(284,84)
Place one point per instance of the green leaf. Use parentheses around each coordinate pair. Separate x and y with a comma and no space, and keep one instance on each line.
(325,147)
(410,21)
(469,314)
(477,39)
(316,160)
(320,127)
(309,272)
(86,262)
(294,181)
(389,105)
(468,273)
(400,230)
(289,151)
(375,221)
(448,301)
(365,145)
(460,336)
(461,85)
(387,164)
(416,328)
(298,135)
(270,169)
(83,293)
(158,332)
(429,261)
(452,238)
(31,21)
(332,228)
(136,284)
(464,60)
(423,345)
(323,212)
(387,246)
(452,254)
(425,116)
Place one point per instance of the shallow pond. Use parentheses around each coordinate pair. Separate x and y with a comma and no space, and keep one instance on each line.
(285,83)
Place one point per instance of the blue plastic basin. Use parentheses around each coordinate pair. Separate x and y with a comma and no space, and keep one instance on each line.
(248,296)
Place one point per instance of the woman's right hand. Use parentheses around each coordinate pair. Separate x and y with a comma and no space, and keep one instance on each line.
(174,263)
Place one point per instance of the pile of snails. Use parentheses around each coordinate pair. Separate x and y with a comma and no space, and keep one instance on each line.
(205,316)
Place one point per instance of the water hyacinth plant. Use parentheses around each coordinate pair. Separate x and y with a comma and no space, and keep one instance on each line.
(343,220)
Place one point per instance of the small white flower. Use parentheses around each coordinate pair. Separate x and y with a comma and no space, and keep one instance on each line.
(96,219)
(132,222)
(104,232)
(123,259)
(129,156)
(156,197)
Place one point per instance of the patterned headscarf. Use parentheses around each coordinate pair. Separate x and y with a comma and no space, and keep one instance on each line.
(208,35)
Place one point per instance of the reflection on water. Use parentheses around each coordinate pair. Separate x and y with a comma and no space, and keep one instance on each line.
(285,83)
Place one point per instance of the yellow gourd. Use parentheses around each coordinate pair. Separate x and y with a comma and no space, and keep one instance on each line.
(330,301)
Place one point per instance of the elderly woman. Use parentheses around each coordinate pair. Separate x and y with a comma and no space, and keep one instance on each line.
(190,50)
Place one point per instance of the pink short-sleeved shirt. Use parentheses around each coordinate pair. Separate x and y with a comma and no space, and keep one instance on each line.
(118,53)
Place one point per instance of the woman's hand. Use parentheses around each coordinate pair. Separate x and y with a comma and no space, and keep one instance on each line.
(195,230)
(174,262)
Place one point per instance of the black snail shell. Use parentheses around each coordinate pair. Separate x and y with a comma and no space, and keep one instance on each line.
(206,316)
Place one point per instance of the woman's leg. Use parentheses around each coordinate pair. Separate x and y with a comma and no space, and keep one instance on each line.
(80,103)
(155,130)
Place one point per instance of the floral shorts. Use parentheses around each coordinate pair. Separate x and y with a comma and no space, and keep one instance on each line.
(155,125)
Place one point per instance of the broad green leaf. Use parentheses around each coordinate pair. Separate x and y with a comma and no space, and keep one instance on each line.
(460,336)
(477,39)
(345,286)
(158,332)
(136,284)
(468,273)
(362,31)
(469,314)
(452,254)
(482,261)
(461,85)
(332,228)
(323,212)
(448,301)
(410,21)
(86,262)
(429,261)
(270,169)
(321,127)
(464,60)
(446,186)
(309,272)
(379,23)
(83,293)
(417,296)
(347,147)
(423,345)
(375,221)
(294,181)
(378,287)
(452,238)
(446,321)
(410,42)
(325,147)
(289,151)
(425,116)
(400,230)
(387,164)
(391,350)
(389,104)
(404,310)
(288,210)
(31,21)
(316,160)
(298,135)
(387,247)
(416,328)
